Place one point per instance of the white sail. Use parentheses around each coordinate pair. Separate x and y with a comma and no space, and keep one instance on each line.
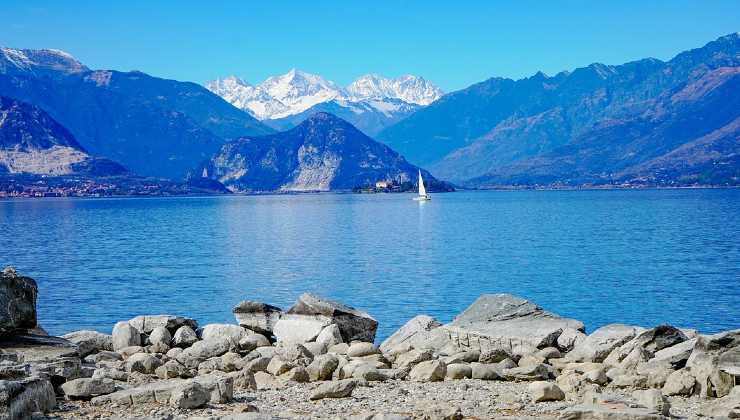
(422,190)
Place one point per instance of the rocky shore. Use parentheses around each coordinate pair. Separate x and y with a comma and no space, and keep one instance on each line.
(503,357)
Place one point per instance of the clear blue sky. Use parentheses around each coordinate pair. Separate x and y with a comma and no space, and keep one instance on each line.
(452,43)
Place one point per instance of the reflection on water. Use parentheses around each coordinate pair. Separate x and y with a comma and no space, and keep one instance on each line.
(642,257)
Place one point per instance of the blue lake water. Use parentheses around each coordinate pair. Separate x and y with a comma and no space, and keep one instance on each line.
(643,257)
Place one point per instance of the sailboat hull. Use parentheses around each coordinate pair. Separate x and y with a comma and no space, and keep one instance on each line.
(422,198)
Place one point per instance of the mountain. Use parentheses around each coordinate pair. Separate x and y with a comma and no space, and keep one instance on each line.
(369,116)
(598,124)
(31,142)
(322,153)
(371,102)
(408,88)
(155,127)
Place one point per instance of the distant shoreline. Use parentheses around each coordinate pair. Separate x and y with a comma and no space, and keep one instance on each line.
(349,192)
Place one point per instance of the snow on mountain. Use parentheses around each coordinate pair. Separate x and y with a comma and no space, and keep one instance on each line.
(16,60)
(411,89)
(296,92)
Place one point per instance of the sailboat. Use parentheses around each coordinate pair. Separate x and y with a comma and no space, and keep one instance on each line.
(423,196)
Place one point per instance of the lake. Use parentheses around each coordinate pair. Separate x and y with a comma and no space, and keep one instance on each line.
(632,256)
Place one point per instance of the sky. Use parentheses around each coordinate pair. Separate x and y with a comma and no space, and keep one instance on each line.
(451,43)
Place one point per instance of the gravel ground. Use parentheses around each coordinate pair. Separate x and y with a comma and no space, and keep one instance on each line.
(476,399)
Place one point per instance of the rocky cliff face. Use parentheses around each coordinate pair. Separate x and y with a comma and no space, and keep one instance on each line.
(155,127)
(31,142)
(322,153)
(601,124)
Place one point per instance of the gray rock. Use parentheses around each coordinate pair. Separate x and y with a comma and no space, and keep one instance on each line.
(322,367)
(147,393)
(361,349)
(657,373)
(107,356)
(202,350)
(89,342)
(508,322)
(727,407)
(230,332)
(415,333)
(184,337)
(329,336)
(462,357)
(545,391)
(334,389)
(85,388)
(506,364)
(220,387)
(257,316)
(252,341)
(530,360)
(297,374)
(680,382)
(340,348)
(294,353)
(210,365)
(650,341)
(174,352)
(493,355)
(127,352)
(278,366)
(715,363)
(305,320)
(432,410)
(654,400)
(569,338)
(412,358)
(147,323)
(266,381)
(597,346)
(142,363)
(258,365)
(609,412)
(173,369)
(231,362)
(125,335)
(527,373)
(428,371)
(596,376)
(549,353)
(44,355)
(316,349)
(676,355)
(369,373)
(114,374)
(243,380)
(160,336)
(485,371)
(20,399)
(628,380)
(17,301)
(458,371)
(189,395)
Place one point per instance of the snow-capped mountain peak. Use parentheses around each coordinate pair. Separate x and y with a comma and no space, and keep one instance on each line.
(39,60)
(408,88)
(297,91)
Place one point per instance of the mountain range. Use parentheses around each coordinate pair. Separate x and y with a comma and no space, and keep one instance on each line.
(153,126)
(322,153)
(644,122)
(371,102)
(31,142)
